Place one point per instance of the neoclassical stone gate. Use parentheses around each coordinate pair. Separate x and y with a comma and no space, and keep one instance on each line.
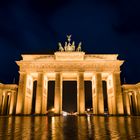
(67,64)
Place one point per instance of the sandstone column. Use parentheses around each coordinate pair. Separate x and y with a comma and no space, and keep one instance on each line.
(45,95)
(138,102)
(58,93)
(99,92)
(21,93)
(118,93)
(126,103)
(80,94)
(15,102)
(4,107)
(134,102)
(111,95)
(1,100)
(39,109)
(12,103)
(28,95)
(94,96)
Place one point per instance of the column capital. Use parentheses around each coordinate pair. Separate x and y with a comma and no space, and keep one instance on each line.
(58,72)
(80,73)
(40,72)
(95,73)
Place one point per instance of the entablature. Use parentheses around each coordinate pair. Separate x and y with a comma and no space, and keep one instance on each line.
(8,86)
(68,56)
(71,66)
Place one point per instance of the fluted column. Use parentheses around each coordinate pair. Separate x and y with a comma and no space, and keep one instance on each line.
(39,93)
(13,99)
(134,102)
(12,102)
(94,96)
(126,103)
(58,93)
(1,100)
(4,107)
(15,102)
(99,92)
(45,95)
(111,95)
(118,93)
(80,94)
(138,102)
(21,93)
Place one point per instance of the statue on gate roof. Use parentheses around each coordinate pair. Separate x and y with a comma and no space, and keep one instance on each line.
(68,46)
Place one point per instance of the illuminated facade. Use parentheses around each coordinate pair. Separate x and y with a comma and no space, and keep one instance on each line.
(131,99)
(72,64)
(8,98)
(67,64)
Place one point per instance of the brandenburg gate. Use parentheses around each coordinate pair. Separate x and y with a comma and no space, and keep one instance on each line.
(69,64)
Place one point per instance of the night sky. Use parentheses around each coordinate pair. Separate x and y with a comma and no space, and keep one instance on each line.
(36,26)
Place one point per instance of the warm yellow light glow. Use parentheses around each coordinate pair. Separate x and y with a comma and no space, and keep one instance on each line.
(53,109)
(65,113)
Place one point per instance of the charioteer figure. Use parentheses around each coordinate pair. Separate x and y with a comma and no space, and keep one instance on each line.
(68,46)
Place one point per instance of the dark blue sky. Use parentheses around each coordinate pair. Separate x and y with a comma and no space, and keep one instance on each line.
(36,26)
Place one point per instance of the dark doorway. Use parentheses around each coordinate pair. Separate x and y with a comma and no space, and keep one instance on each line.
(104,85)
(50,101)
(132,105)
(1,104)
(6,112)
(69,96)
(34,97)
(88,94)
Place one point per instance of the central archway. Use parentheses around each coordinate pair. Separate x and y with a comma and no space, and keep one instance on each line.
(69,96)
